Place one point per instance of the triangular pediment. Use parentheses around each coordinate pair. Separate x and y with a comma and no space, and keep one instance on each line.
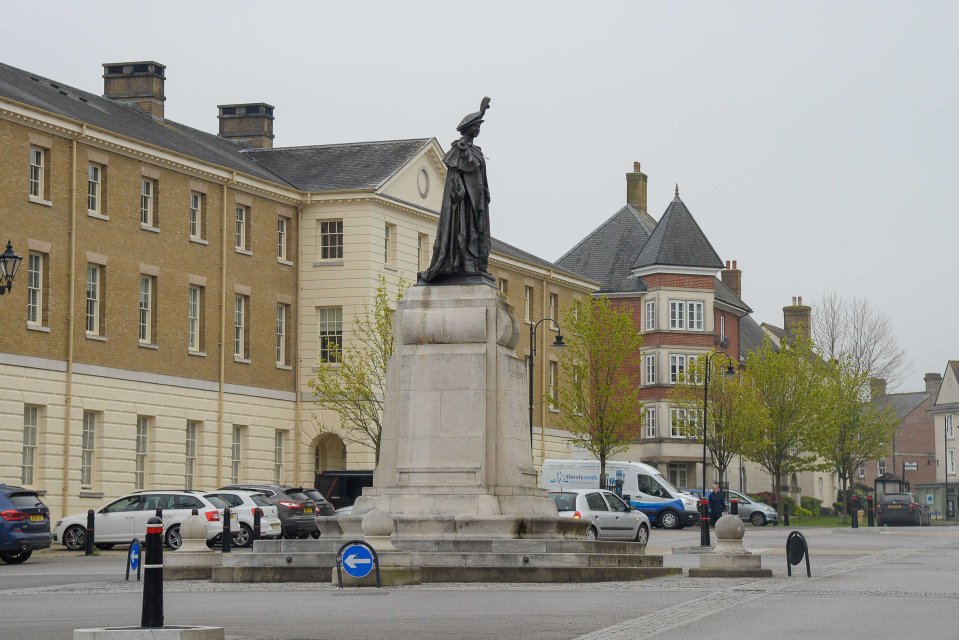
(420,180)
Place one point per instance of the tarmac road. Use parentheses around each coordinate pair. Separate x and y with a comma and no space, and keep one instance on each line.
(866,583)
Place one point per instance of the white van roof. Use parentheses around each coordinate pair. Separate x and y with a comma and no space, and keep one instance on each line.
(610,464)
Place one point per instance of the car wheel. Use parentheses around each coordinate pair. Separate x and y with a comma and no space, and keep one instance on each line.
(172,537)
(642,534)
(591,533)
(15,557)
(669,520)
(75,538)
(103,545)
(243,537)
(758,519)
(315,534)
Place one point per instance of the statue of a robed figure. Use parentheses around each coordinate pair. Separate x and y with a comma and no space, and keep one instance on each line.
(462,246)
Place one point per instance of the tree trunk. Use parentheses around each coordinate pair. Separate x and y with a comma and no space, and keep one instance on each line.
(602,471)
(777,491)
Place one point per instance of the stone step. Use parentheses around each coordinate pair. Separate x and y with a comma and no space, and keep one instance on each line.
(331,545)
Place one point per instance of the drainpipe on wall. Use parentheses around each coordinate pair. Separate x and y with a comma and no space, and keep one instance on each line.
(68,395)
(296,349)
(222,372)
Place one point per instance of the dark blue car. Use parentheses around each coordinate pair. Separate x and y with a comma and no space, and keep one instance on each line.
(24,524)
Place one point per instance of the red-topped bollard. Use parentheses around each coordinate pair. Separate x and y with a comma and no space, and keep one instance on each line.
(704,522)
(854,506)
(90,534)
(734,506)
(152,612)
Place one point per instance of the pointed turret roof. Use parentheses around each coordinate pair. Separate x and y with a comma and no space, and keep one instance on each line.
(678,241)
(605,255)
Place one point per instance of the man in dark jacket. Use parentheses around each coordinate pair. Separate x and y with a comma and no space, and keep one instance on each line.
(717,504)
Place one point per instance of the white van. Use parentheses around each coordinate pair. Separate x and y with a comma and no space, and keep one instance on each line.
(644,488)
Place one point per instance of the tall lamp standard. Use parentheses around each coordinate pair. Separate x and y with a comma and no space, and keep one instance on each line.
(703,509)
(532,354)
(9,263)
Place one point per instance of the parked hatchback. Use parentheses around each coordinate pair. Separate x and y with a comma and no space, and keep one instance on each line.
(902,508)
(758,513)
(610,518)
(295,509)
(118,522)
(242,503)
(24,524)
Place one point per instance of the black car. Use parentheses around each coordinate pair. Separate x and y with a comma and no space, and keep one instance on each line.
(24,524)
(295,508)
(902,508)
(342,488)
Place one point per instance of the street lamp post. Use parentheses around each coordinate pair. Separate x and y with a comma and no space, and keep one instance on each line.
(9,263)
(703,509)
(532,354)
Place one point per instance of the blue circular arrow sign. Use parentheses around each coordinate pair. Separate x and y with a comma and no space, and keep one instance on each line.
(134,555)
(357,560)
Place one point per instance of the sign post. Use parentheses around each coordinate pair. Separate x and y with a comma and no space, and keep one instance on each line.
(133,559)
(358,559)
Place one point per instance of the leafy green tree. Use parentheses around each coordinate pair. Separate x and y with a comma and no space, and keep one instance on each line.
(598,402)
(789,385)
(352,385)
(733,406)
(852,429)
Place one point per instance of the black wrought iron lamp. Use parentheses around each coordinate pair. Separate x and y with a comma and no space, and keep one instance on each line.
(9,263)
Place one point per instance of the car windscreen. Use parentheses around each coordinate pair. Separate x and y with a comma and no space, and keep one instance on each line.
(25,500)
(895,498)
(260,500)
(296,494)
(564,501)
(315,495)
(666,483)
(217,502)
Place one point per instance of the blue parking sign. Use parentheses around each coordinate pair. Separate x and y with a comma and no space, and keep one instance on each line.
(357,560)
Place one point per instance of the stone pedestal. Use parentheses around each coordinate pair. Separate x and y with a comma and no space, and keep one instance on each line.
(455,439)
(729,559)
(193,560)
(141,633)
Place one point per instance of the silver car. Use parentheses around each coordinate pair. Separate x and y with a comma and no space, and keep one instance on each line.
(610,518)
(758,513)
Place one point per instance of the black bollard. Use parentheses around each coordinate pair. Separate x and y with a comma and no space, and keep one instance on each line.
(703,523)
(257,514)
(734,507)
(88,550)
(854,506)
(160,512)
(785,514)
(870,512)
(227,535)
(152,613)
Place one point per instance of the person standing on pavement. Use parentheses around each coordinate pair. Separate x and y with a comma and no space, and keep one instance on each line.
(717,504)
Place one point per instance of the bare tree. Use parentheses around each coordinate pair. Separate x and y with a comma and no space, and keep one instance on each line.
(853,330)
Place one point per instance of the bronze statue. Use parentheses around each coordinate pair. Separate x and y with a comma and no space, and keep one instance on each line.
(461,249)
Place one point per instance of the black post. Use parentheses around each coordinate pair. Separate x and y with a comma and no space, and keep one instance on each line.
(854,505)
(734,506)
(785,513)
(703,522)
(88,550)
(159,512)
(532,354)
(870,512)
(227,535)
(257,514)
(152,613)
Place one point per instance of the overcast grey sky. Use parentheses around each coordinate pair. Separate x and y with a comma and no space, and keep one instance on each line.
(814,142)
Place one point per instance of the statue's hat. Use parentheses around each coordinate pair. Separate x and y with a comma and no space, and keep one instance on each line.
(474,118)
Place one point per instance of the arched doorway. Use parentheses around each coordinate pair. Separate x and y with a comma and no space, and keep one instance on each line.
(329,453)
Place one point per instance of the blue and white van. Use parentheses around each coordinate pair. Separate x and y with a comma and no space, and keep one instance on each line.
(644,488)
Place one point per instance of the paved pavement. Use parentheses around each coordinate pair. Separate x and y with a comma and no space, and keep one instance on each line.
(868,583)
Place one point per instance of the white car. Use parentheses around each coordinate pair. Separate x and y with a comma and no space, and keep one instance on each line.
(125,518)
(242,503)
(610,518)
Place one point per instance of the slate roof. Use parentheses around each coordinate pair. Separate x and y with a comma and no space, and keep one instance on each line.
(76,104)
(751,335)
(498,246)
(338,167)
(678,241)
(606,254)
(722,293)
(902,403)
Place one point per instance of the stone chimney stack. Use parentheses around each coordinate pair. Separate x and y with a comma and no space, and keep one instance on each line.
(933,384)
(636,188)
(797,318)
(732,277)
(877,388)
(250,125)
(138,84)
